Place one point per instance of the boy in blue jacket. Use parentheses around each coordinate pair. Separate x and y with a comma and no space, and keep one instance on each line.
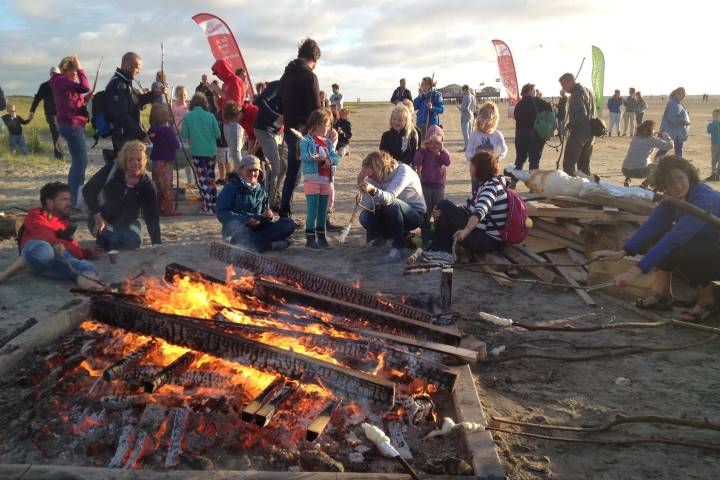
(429,103)
(713,129)
(244,212)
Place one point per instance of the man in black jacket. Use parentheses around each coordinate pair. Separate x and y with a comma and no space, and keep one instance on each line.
(124,102)
(3,102)
(45,95)
(401,93)
(527,141)
(299,97)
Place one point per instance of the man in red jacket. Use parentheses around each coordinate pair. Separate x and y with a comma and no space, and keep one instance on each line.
(47,247)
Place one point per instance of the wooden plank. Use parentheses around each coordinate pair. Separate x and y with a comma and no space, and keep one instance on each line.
(531,254)
(539,245)
(574,229)
(558,229)
(480,445)
(569,275)
(585,214)
(537,232)
(514,254)
(578,273)
(631,205)
(577,257)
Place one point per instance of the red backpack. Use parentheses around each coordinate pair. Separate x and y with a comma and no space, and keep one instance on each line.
(518,220)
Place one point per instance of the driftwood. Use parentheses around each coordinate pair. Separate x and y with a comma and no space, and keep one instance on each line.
(619,419)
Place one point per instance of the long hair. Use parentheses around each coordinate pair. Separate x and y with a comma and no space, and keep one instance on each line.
(487,118)
(410,130)
(666,165)
(380,162)
(676,92)
(180,94)
(321,116)
(159,114)
(133,146)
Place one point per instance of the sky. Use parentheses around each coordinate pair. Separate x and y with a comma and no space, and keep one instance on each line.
(654,46)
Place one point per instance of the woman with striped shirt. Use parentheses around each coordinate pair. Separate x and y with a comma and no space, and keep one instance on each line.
(476,226)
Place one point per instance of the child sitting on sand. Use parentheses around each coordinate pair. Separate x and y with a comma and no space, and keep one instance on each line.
(431,161)
(317,157)
(486,136)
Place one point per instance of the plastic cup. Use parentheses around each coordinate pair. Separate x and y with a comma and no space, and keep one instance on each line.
(113,255)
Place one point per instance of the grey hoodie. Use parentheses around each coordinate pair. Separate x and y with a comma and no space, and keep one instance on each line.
(402,184)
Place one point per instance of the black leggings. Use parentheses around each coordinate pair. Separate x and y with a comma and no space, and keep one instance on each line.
(453,218)
(697,260)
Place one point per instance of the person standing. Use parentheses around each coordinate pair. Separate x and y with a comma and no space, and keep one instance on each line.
(467,111)
(336,98)
(45,95)
(204,88)
(675,121)
(299,97)
(14,124)
(69,89)
(640,108)
(527,141)
(581,110)
(630,103)
(400,93)
(429,105)
(267,126)
(124,102)
(713,129)
(613,104)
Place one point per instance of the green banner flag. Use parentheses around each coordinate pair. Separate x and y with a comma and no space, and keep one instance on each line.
(598,77)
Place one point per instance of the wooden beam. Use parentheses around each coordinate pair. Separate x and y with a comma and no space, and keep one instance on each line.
(261,265)
(560,230)
(585,214)
(377,318)
(569,274)
(541,233)
(517,256)
(200,335)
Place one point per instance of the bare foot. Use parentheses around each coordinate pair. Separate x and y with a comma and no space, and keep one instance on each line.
(18,266)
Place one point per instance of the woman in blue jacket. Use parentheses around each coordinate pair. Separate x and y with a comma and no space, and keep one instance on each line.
(675,121)
(429,102)
(676,242)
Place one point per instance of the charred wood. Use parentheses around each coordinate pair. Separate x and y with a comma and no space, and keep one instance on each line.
(248,413)
(177,367)
(268,409)
(118,368)
(317,426)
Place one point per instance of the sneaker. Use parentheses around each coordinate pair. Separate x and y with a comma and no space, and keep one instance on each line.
(438,256)
(395,255)
(206,211)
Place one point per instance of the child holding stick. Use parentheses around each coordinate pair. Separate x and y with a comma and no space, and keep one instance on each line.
(164,151)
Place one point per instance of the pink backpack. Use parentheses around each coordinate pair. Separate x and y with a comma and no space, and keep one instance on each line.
(516,225)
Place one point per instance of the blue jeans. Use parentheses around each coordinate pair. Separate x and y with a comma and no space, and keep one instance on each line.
(40,257)
(18,141)
(528,143)
(260,238)
(391,221)
(678,148)
(466,128)
(74,135)
(292,177)
(120,238)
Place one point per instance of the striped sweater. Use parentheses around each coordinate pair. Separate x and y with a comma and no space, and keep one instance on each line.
(491,197)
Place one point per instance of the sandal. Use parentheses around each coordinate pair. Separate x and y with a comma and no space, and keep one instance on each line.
(662,302)
(706,311)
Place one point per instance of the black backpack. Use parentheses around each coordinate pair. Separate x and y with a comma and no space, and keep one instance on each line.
(100,119)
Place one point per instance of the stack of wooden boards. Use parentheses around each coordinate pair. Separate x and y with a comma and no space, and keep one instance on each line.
(566,231)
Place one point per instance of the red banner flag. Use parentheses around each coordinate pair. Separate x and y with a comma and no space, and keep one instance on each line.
(223,44)
(507,73)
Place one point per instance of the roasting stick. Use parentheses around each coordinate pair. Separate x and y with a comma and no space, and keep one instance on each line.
(382,442)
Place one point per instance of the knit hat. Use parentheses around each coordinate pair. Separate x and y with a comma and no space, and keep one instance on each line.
(250,161)
(434,130)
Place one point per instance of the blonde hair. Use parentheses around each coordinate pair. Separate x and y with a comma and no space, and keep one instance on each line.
(345,112)
(381,163)
(677,91)
(410,130)
(181,94)
(411,108)
(133,146)
(68,63)
(487,118)
(321,116)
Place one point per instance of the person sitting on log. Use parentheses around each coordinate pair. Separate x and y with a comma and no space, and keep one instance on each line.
(46,243)
(126,189)
(243,210)
(392,195)
(476,226)
(674,241)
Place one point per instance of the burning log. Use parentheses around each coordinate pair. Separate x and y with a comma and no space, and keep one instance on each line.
(268,409)
(191,378)
(313,282)
(140,446)
(174,451)
(248,413)
(178,366)
(378,318)
(418,409)
(118,368)
(202,336)
(317,427)
(125,443)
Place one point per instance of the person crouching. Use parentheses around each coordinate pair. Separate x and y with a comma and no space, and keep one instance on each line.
(244,212)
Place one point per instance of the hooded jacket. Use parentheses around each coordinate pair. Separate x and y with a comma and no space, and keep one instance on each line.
(299,93)
(233,87)
(438,107)
(241,201)
(70,98)
(40,225)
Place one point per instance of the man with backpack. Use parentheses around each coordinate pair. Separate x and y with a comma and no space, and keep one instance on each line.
(122,102)
(580,112)
(45,95)
(530,132)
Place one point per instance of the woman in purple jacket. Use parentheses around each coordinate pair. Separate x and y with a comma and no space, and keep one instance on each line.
(70,87)
(674,241)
